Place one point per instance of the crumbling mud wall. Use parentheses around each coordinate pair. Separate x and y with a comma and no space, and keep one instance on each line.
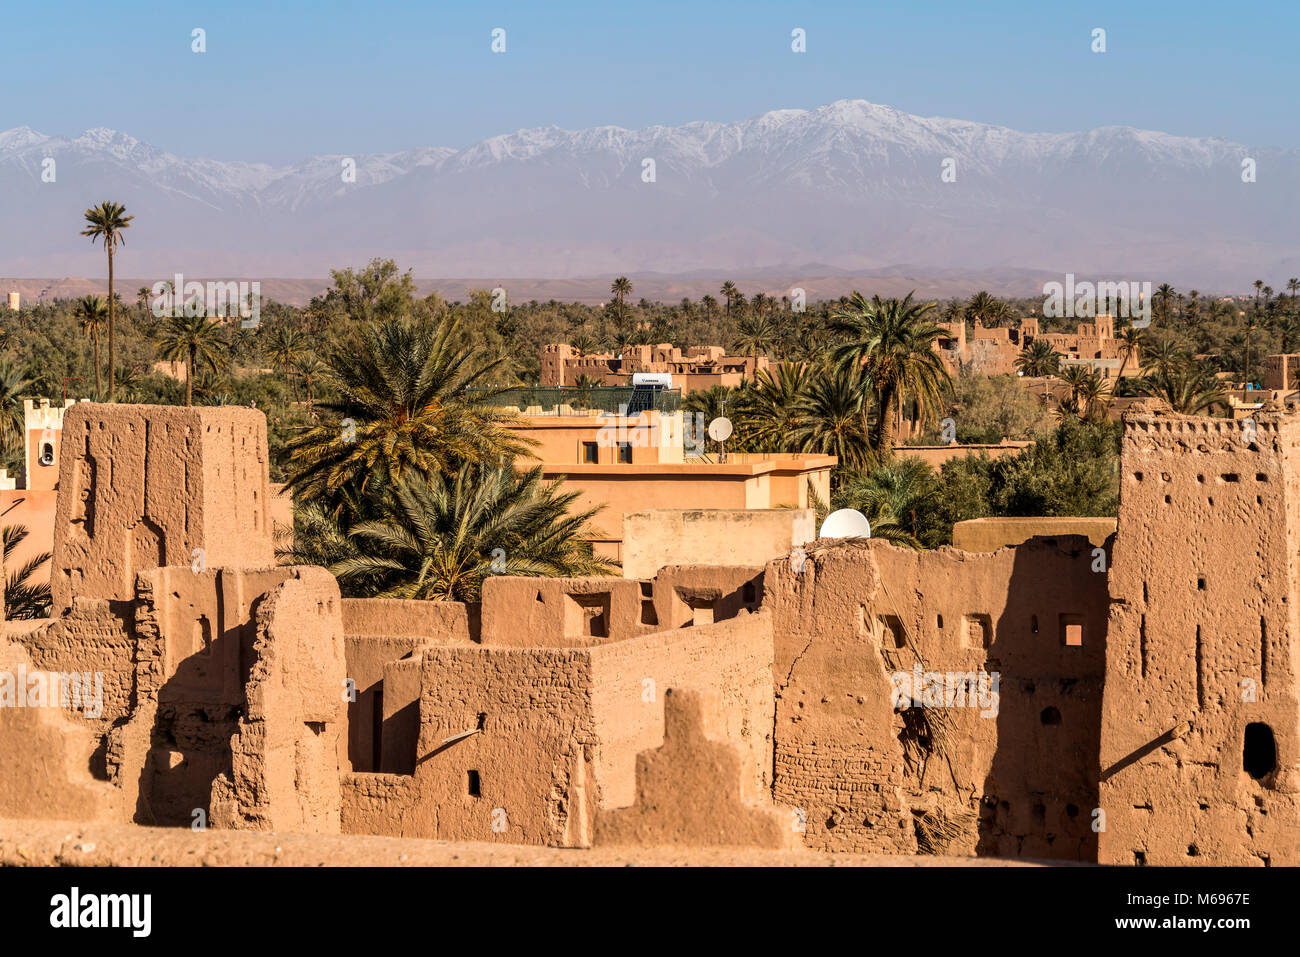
(940,701)
(1199,749)
(586,612)
(730,661)
(521,745)
(285,766)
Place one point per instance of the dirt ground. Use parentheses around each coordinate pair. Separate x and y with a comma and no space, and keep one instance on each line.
(47,843)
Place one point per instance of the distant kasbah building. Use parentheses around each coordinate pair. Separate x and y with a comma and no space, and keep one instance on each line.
(699,367)
(15,301)
(629,450)
(993,351)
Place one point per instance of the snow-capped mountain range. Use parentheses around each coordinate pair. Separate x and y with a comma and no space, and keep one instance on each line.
(853,185)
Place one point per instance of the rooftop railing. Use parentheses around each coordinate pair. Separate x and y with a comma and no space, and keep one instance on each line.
(576,400)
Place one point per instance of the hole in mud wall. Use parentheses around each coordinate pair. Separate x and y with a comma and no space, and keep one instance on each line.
(749,594)
(472,784)
(1050,716)
(648,614)
(938,620)
(1259,752)
(894,636)
(1139,859)
(586,616)
(978,632)
(1200,584)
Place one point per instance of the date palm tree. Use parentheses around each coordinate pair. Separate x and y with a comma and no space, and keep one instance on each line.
(1187,389)
(892,496)
(892,342)
(1163,355)
(1162,299)
(772,414)
(197,342)
(440,538)
(24,598)
(283,348)
(987,309)
(1038,359)
(15,382)
(107,222)
(411,400)
(310,368)
(92,312)
(756,335)
(832,416)
(1094,391)
(1131,341)
(1074,376)
(729,292)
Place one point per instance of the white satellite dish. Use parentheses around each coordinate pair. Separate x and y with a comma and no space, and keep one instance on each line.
(846,523)
(720,429)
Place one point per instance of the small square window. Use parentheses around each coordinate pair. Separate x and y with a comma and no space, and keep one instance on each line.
(625,453)
(1072,631)
(590,453)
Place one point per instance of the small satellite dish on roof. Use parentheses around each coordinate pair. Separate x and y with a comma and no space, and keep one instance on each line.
(845,523)
(720,429)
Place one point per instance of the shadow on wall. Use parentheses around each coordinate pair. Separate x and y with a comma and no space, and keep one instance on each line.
(1041,790)
(195,722)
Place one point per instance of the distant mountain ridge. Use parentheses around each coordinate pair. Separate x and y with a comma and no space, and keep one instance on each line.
(851,186)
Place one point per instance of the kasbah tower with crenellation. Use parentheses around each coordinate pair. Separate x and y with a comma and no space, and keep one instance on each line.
(1199,718)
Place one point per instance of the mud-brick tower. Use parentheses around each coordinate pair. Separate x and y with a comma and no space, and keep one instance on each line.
(1200,751)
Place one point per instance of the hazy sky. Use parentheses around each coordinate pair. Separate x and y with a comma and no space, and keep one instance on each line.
(281,81)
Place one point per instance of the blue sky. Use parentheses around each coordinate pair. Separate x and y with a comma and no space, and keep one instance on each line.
(281,81)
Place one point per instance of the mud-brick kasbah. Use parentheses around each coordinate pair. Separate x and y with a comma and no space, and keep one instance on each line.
(1145,708)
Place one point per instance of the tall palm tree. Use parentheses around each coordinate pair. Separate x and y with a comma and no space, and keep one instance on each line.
(832,416)
(14,384)
(1251,325)
(1038,359)
(987,309)
(285,345)
(310,368)
(93,313)
(892,342)
(24,598)
(1163,297)
(440,539)
(728,292)
(1075,376)
(621,289)
(1131,341)
(108,221)
(1293,286)
(756,335)
(411,399)
(195,341)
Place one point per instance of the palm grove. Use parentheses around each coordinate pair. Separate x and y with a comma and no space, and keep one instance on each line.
(407,482)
